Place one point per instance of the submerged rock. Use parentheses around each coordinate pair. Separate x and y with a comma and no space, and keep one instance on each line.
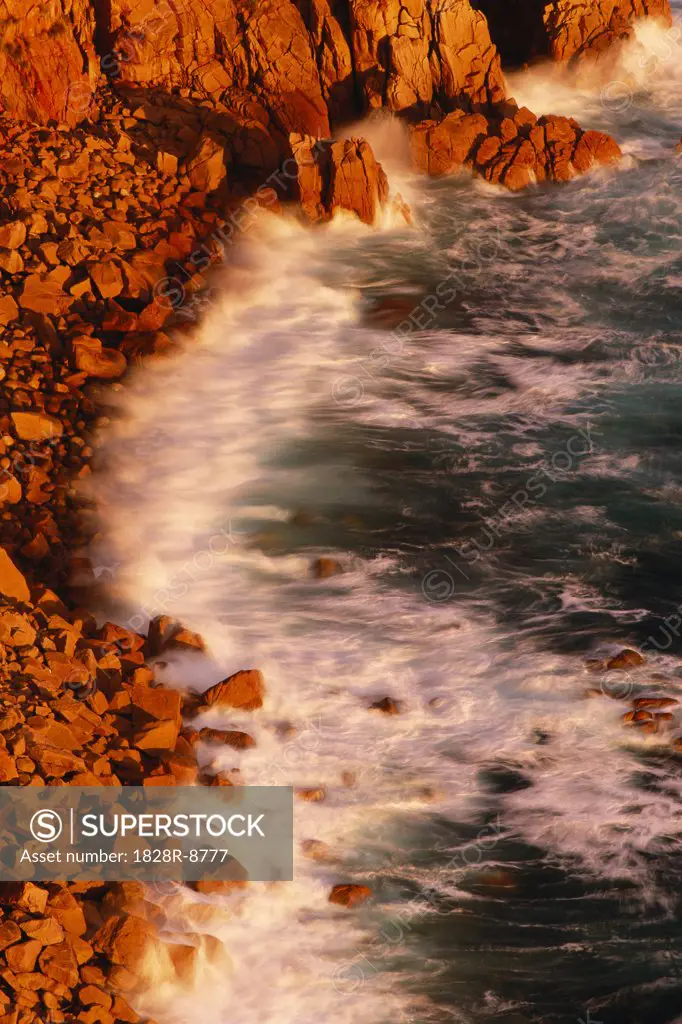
(229,737)
(654,702)
(312,795)
(315,849)
(323,568)
(388,705)
(627,658)
(350,895)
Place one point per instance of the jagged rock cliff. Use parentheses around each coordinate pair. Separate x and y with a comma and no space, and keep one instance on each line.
(273,71)
(48,64)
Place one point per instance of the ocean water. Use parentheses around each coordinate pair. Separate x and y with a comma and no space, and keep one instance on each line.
(499,478)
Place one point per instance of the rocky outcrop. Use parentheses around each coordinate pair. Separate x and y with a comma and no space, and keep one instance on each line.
(467,70)
(513,151)
(311,61)
(226,93)
(48,65)
(261,50)
(338,176)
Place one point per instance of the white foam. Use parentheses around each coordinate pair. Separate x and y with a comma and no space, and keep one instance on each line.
(240,425)
(636,94)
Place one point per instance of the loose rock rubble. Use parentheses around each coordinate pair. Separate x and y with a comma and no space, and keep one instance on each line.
(79,706)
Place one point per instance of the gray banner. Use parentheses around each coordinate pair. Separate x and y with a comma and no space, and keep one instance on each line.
(163,833)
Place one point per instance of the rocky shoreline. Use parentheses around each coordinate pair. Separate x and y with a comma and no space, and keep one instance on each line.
(135,147)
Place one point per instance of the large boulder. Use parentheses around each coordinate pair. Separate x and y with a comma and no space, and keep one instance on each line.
(338,176)
(244,690)
(441,147)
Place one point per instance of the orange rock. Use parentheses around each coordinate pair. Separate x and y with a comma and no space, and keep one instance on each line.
(51,732)
(654,702)
(244,690)
(55,763)
(12,234)
(95,361)
(323,568)
(24,895)
(221,887)
(67,911)
(157,736)
(156,702)
(574,31)
(8,767)
(23,956)
(48,65)
(123,939)
(627,658)
(12,583)
(441,147)
(312,795)
(45,930)
(315,849)
(388,705)
(349,895)
(637,716)
(9,934)
(36,426)
(231,738)
(92,995)
(206,168)
(338,176)
(59,963)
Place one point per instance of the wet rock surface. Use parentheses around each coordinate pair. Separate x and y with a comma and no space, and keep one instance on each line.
(515,150)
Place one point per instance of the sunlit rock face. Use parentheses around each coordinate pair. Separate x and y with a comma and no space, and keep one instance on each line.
(48,64)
